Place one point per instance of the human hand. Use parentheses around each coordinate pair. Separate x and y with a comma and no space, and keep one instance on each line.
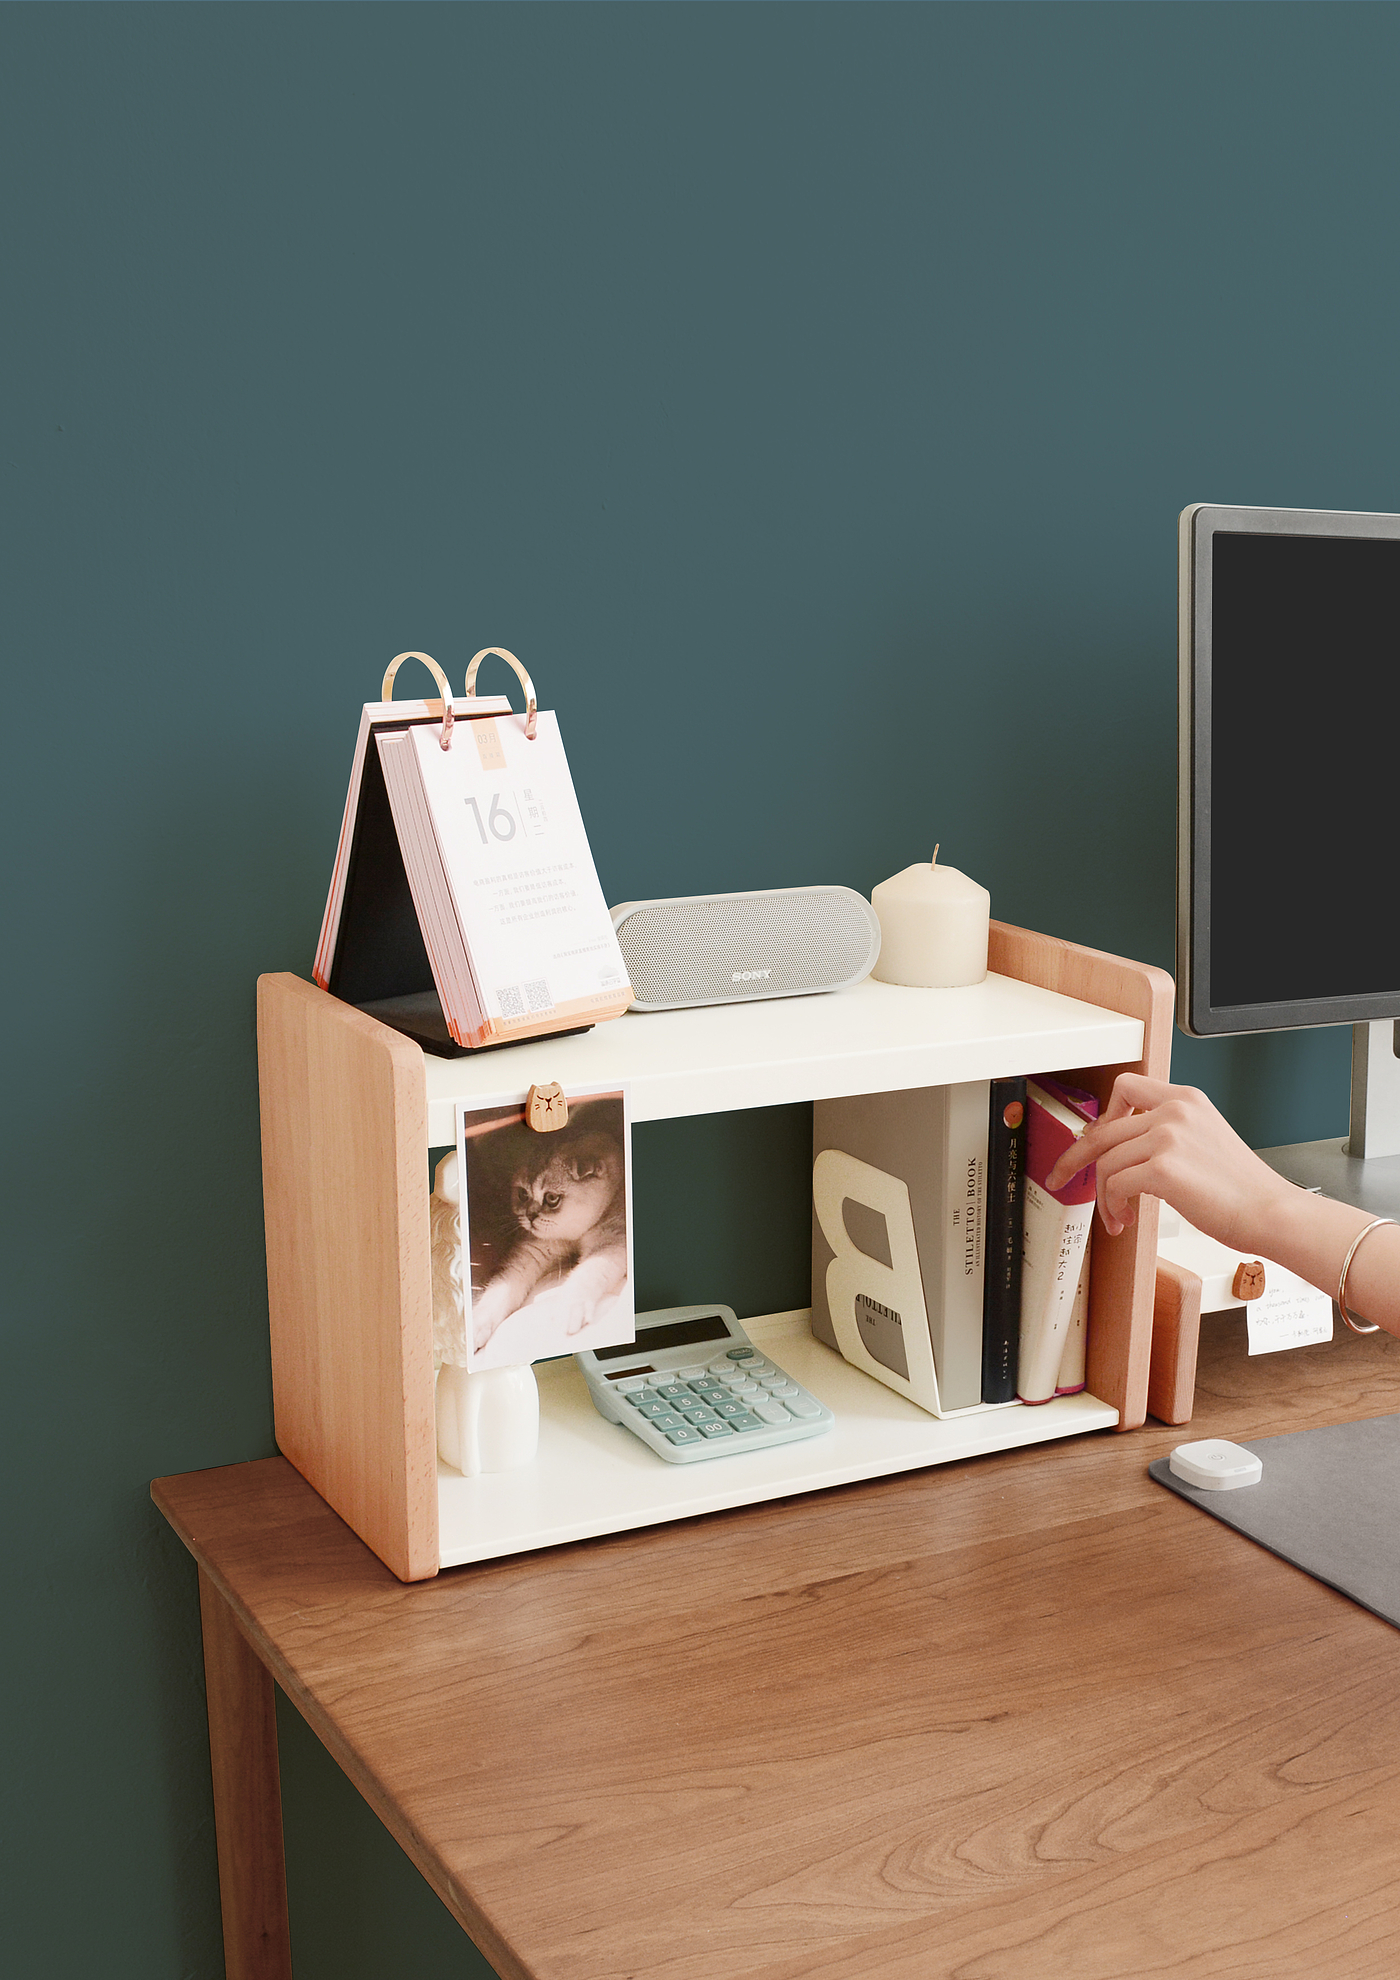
(1168,1141)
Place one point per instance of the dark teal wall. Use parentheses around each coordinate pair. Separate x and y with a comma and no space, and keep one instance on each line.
(808,394)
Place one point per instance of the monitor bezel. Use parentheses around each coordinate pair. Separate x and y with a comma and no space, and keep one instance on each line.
(1196,537)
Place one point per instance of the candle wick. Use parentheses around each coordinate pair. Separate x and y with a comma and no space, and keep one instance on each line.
(934,860)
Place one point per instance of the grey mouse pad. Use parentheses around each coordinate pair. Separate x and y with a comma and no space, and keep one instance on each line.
(1329,1502)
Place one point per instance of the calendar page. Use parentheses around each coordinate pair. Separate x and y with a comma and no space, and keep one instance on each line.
(532,914)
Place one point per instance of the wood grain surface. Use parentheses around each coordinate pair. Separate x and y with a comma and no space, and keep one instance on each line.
(1176,1330)
(247,1796)
(1019,1718)
(349,1272)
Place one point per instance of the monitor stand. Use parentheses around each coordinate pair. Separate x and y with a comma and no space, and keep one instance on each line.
(1365,1168)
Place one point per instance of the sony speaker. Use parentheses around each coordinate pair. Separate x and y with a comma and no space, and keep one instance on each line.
(736,948)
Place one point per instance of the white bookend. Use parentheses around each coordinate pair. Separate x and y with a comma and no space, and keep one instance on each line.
(898,1232)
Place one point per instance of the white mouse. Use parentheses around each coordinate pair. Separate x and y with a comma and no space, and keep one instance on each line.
(1215,1465)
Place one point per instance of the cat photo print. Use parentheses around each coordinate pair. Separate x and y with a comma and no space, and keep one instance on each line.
(546,1230)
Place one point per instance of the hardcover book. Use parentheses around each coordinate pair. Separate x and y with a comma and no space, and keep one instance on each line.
(1006,1184)
(1074,1359)
(1056,1235)
(898,1236)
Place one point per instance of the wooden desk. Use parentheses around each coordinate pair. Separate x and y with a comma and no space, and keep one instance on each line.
(1024,1717)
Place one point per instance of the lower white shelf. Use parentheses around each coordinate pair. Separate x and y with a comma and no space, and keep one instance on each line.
(593,1477)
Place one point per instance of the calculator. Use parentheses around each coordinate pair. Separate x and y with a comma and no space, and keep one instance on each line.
(693,1385)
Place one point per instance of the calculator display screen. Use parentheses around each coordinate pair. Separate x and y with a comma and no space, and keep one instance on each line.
(680,1333)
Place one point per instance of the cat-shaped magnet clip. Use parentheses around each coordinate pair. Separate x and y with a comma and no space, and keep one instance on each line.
(546,1108)
(1249,1280)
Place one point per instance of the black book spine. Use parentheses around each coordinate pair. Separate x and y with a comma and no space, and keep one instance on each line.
(1006,1204)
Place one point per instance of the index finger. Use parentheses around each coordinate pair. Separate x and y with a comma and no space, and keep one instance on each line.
(1133,1092)
(1095,1142)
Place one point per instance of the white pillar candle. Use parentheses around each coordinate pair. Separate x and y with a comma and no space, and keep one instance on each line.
(933,927)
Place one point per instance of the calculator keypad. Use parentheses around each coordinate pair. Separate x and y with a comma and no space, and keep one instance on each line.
(725,1402)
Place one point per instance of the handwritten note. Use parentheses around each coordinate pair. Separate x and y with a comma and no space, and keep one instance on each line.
(1289,1314)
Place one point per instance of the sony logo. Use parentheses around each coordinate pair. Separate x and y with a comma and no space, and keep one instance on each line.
(750,975)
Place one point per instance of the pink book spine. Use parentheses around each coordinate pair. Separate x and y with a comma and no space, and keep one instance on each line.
(1046,1141)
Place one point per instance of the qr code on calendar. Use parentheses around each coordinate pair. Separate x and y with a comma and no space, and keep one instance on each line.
(512,1001)
(537,995)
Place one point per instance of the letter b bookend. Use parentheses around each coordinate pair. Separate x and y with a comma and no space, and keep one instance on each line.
(887,1297)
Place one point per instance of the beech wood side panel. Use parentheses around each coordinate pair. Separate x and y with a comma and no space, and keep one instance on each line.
(345,1194)
(1176,1333)
(247,1797)
(1122,1283)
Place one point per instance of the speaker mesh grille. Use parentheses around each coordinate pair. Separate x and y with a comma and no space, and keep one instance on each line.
(779,945)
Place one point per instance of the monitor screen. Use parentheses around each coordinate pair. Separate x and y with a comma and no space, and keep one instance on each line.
(1291,690)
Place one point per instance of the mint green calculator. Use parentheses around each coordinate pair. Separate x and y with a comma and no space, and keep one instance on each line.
(693,1385)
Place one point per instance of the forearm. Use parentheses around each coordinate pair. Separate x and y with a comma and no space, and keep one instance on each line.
(1311,1235)
(1169,1142)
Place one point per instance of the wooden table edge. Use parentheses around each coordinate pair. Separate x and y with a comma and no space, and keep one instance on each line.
(240,1669)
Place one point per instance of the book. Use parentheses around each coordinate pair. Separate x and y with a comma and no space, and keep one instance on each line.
(464,905)
(1055,1235)
(1001,1299)
(1073,1361)
(1072,1379)
(898,1238)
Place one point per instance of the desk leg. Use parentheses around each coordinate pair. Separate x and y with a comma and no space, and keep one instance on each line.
(247,1797)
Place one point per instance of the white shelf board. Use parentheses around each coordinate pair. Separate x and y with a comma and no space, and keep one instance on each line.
(873,1038)
(592,1477)
(1214,1264)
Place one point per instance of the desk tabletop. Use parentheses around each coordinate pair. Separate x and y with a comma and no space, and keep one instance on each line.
(1016,1718)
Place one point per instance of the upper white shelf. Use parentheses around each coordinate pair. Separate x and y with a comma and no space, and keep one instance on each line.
(875,1038)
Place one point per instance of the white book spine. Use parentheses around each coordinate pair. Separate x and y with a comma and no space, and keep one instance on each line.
(962,1268)
(1056,1235)
(1074,1360)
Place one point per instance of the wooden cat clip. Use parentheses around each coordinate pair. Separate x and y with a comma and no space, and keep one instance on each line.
(1249,1281)
(546,1108)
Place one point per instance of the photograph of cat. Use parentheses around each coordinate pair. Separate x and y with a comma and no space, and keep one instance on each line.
(546,1232)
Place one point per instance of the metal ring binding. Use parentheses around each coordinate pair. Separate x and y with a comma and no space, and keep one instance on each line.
(531,706)
(386,692)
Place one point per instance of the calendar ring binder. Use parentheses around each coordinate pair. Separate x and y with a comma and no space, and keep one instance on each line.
(502,653)
(386,692)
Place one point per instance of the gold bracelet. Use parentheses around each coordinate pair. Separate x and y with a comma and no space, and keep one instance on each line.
(1357,1326)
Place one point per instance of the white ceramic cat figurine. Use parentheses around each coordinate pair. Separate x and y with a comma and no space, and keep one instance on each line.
(488,1419)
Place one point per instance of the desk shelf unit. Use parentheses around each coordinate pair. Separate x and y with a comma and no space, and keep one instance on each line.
(351,1108)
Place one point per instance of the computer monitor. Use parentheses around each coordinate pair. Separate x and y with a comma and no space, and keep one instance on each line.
(1288,904)
(1288,909)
